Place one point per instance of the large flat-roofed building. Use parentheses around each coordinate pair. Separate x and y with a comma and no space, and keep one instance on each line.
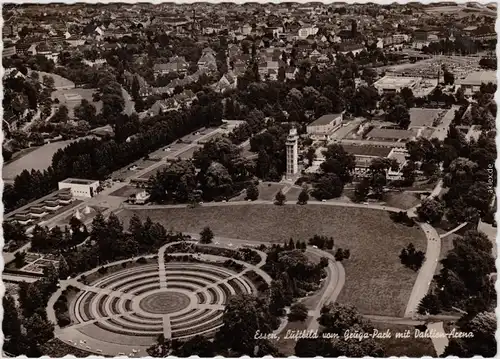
(392,135)
(393,84)
(473,81)
(321,128)
(80,187)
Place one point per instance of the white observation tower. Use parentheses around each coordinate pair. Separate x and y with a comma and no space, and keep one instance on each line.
(292,156)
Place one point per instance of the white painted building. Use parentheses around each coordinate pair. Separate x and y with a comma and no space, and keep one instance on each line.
(322,128)
(80,187)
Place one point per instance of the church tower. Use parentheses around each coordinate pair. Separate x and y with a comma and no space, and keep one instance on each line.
(292,155)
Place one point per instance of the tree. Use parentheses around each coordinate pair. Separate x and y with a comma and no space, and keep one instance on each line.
(280,198)
(412,258)
(483,326)
(206,235)
(19,259)
(38,330)
(14,341)
(197,345)
(244,316)
(303,196)
(252,192)
(311,155)
(449,78)
(85,112)
(339,162)
(429,304)
(161,349)
(431,211)
(362,190)
(11,324)
(328,186)
(408,173)
(400,115)
(298,312)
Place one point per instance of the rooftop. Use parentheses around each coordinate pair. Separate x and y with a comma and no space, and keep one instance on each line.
(477,78)
(396,82)
(325,119)
(367,150)
(78,181)
(387,133)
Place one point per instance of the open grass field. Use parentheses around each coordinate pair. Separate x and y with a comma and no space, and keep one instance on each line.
(59,81)
(411,347)
(402,200)
(268,190)
(293,194)
(376,281)
(73,97)
(38,159)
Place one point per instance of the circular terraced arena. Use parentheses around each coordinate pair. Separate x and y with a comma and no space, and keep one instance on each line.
(129,308)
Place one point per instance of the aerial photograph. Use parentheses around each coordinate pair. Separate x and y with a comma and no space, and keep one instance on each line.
(249,179)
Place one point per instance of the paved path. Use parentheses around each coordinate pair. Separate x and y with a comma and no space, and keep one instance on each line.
(257,202)
(441,342)
(336,281)
(441,131)
(456,229)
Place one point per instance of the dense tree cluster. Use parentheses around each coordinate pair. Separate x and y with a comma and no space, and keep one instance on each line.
(335,172)
(26,328)
(54,240)
(412,258)
(483,326)
(337,319)
(322,242)
(223,173)
(465,280)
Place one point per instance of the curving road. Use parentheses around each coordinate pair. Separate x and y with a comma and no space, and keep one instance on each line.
(240,203)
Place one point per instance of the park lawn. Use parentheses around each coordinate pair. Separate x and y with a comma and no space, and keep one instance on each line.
(403,200)
(268,190)
(376,282)
(293,194)
(71,104)
(410,347)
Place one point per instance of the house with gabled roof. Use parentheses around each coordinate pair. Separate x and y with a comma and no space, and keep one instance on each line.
(163,106)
